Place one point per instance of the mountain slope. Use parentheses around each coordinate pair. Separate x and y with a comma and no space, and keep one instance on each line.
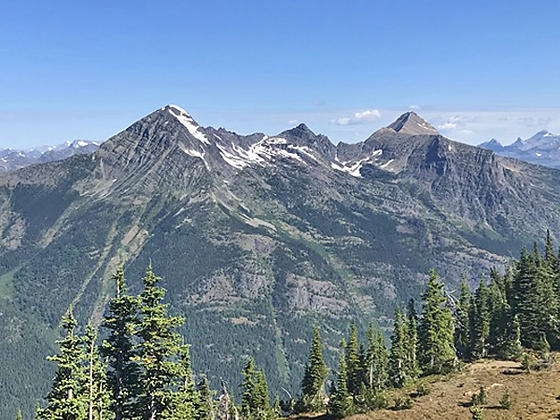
(256,237)
(542,149)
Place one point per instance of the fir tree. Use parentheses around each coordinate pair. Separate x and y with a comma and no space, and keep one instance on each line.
(398,355)
(255,403)
(376,376)
(353,362)
(436,350)
(462,324)
(204,406)
(119,348)
(277,407)
(159,352)
(547,300)
(187,398)
(549,255)
(411,340)
(66,399)
(316,371)
(248,386)
(512,348)
(526,300)
(339,403)
(481,323)
(98,397)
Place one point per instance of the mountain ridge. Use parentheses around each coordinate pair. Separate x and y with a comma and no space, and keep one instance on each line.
(543,148)
(256,236)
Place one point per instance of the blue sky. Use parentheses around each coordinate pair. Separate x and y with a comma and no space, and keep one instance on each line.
(474,69)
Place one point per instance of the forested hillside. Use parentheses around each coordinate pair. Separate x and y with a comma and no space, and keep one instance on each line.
(141,369)
(257,238)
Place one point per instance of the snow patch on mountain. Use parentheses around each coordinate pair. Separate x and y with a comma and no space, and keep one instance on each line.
(184,118)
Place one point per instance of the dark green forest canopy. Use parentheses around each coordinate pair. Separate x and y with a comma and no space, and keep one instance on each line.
(142,369)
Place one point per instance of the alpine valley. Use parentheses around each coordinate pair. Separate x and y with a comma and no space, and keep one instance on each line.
(256,237)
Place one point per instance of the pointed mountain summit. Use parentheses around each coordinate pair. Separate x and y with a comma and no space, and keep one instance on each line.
(492,144)
(302,135)
(411,123)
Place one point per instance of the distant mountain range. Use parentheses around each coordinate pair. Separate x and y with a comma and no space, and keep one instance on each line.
(541,149)
(12,159)
(257,237)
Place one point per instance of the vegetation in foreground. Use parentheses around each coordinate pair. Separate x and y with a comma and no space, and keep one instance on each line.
(142,370)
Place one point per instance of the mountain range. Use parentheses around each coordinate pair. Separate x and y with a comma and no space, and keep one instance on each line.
(541,149)
(12,159)
(256,237)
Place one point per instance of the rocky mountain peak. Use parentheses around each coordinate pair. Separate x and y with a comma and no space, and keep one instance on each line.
(492,144)
(411,123)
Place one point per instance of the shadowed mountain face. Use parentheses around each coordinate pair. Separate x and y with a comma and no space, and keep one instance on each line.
(541,149)
(256,237)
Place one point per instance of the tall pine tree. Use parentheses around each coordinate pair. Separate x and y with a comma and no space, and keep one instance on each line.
(340,403)
(353,361)
(313,384)
(436,350)
(462,324)
(98,397)
(119,348)
(67,399)
(159,352)
(376,375)
(398,355)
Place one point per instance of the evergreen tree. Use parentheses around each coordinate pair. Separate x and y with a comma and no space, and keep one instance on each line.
(376,376)
(204,407)
(316,371)
(436,351)
(398,356)
(525,300)
(547,300)
(159,352)
(277,407)
(340,403)
(499,314)
(353,362)
(187,399)
(66,399)
(248,386)
(481,323)
(98,397)
(119,348)
(19,416)
(411,340)
(262,398)
(255,403)
(512,348)
(462,324)
(549,255)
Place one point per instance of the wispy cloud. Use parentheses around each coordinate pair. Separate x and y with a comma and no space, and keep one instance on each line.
(359,117)
(477,126)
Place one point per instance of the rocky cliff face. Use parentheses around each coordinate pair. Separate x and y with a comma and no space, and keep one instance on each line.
(256,237)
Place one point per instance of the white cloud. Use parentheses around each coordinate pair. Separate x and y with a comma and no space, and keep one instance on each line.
(292,122)
(414,107)
(447,125)
(475,127)
(359,117)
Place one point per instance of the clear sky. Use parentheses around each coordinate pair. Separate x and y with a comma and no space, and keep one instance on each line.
(474,69)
